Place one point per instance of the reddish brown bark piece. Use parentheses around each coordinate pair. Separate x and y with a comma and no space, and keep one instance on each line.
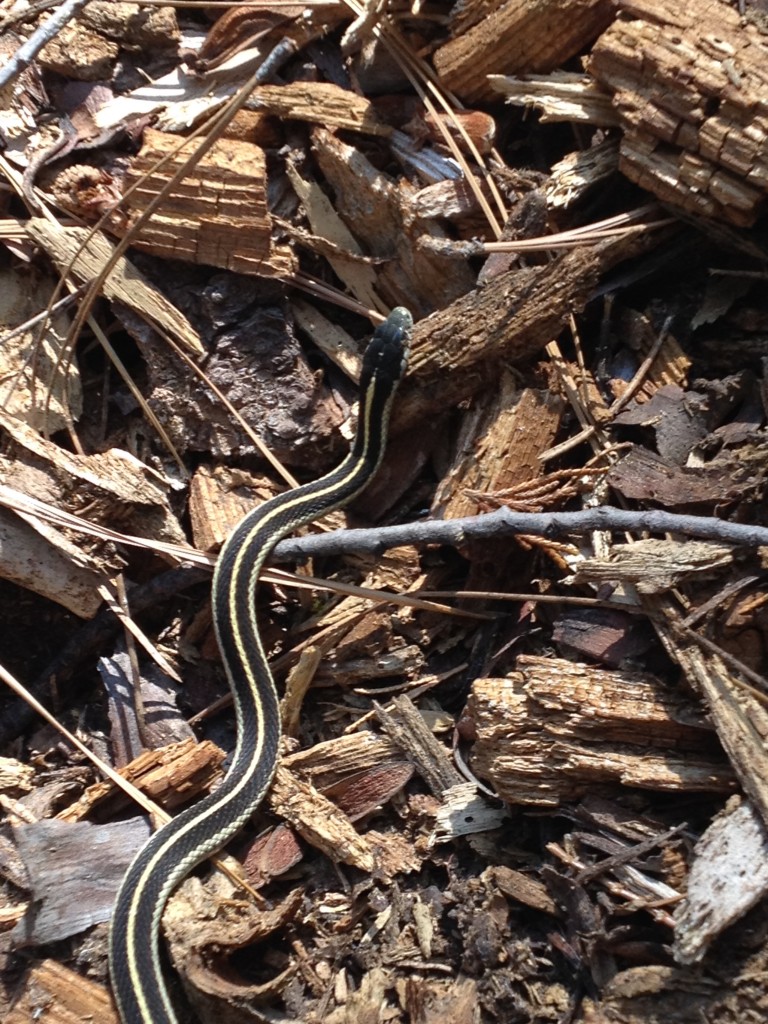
(690,83)
(513,36)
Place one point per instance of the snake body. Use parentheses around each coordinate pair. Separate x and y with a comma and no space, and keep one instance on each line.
(135,963)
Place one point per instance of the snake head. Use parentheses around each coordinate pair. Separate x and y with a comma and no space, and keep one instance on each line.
(386,357)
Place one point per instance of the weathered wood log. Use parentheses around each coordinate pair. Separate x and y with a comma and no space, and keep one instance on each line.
(555,730)
(690,84)
(513,36)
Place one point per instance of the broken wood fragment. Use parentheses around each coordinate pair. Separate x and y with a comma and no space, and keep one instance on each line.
(457,349)
(216,214)
(319,103)
(85,253)
(205,924)
(318,820)
(728,876)
(555,730)
(170,776)
(513,36)
(406,727)
(688,83)
(53,992)
(498,447)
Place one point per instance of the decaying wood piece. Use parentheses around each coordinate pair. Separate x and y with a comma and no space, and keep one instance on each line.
(463,811)
(407,728)
(38,383)
(578,172)
(670,364)
(513,36)
(378,211)
(40,558)
(740,719)
(87,47)
(326,764)
(204,924)
(15,777)
(113,485)
(58,995)
(342,249)
(318,820)
(170,776)
(654,565)
(319,103)
(559,96)
(498,447)
(523,888)
(457,350)
(219,497)
(217,214)
(330,785)
(689,84)
(360,641)
(555,729)
(79,51)
(728,876)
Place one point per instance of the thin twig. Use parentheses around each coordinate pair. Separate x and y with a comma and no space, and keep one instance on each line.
(505,522)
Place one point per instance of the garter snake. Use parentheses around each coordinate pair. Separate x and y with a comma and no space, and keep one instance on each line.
(134,956)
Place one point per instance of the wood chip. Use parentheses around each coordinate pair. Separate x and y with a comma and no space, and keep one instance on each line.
(555,730)
(687,84)
(53,992)
(216,214)
(170,776)
(512,36)
(728,876)
(74,871)
(80,251)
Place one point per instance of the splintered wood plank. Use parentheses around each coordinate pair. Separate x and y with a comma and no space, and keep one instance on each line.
(56,995)
(499,447)
(689,84)
(319,103)
(513,36)
(217,214)
(457,350)
(171,776)
(554,730)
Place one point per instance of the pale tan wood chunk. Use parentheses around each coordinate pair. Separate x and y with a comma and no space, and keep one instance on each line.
(554,730)
(217,214)
(690,85)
